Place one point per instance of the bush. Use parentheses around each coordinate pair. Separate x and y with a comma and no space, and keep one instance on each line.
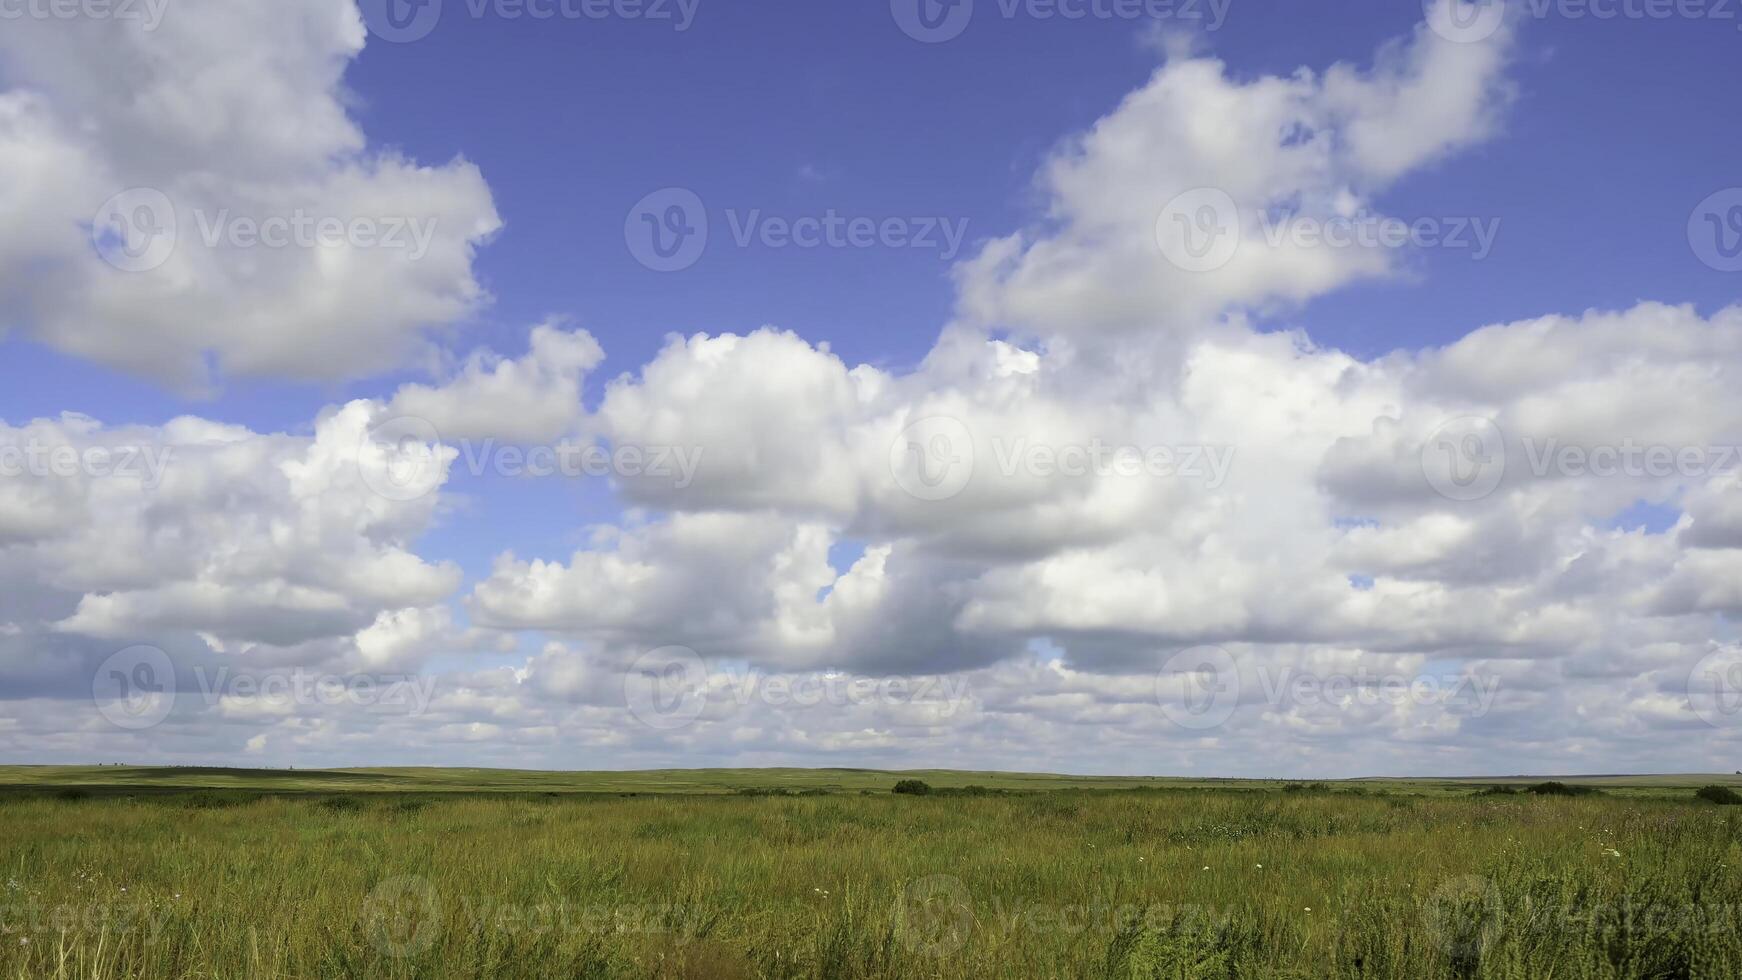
(1552,788)
(912,787)
(1721,795)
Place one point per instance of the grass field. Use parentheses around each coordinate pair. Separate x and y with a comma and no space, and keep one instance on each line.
(116,872)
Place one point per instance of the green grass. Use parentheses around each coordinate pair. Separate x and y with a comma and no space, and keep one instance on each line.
(437,873)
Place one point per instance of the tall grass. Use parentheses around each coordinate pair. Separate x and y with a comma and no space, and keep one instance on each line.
(1063,884)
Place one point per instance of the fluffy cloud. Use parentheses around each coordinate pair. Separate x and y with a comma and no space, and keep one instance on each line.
(1329,481)
(215,543)
(194,199)
(1261,155)
(531,399)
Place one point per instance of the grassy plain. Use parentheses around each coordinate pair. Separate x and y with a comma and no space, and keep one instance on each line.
(118,872)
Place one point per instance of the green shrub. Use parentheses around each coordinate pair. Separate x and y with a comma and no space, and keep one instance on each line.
(1552,788)
(1721,795)
(912,787)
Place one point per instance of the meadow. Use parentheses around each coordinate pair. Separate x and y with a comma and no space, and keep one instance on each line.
(436,873)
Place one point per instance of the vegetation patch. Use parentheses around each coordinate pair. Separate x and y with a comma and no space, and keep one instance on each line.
(1721,795)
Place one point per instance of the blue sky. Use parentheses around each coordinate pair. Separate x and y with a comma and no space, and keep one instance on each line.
(1587,144)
